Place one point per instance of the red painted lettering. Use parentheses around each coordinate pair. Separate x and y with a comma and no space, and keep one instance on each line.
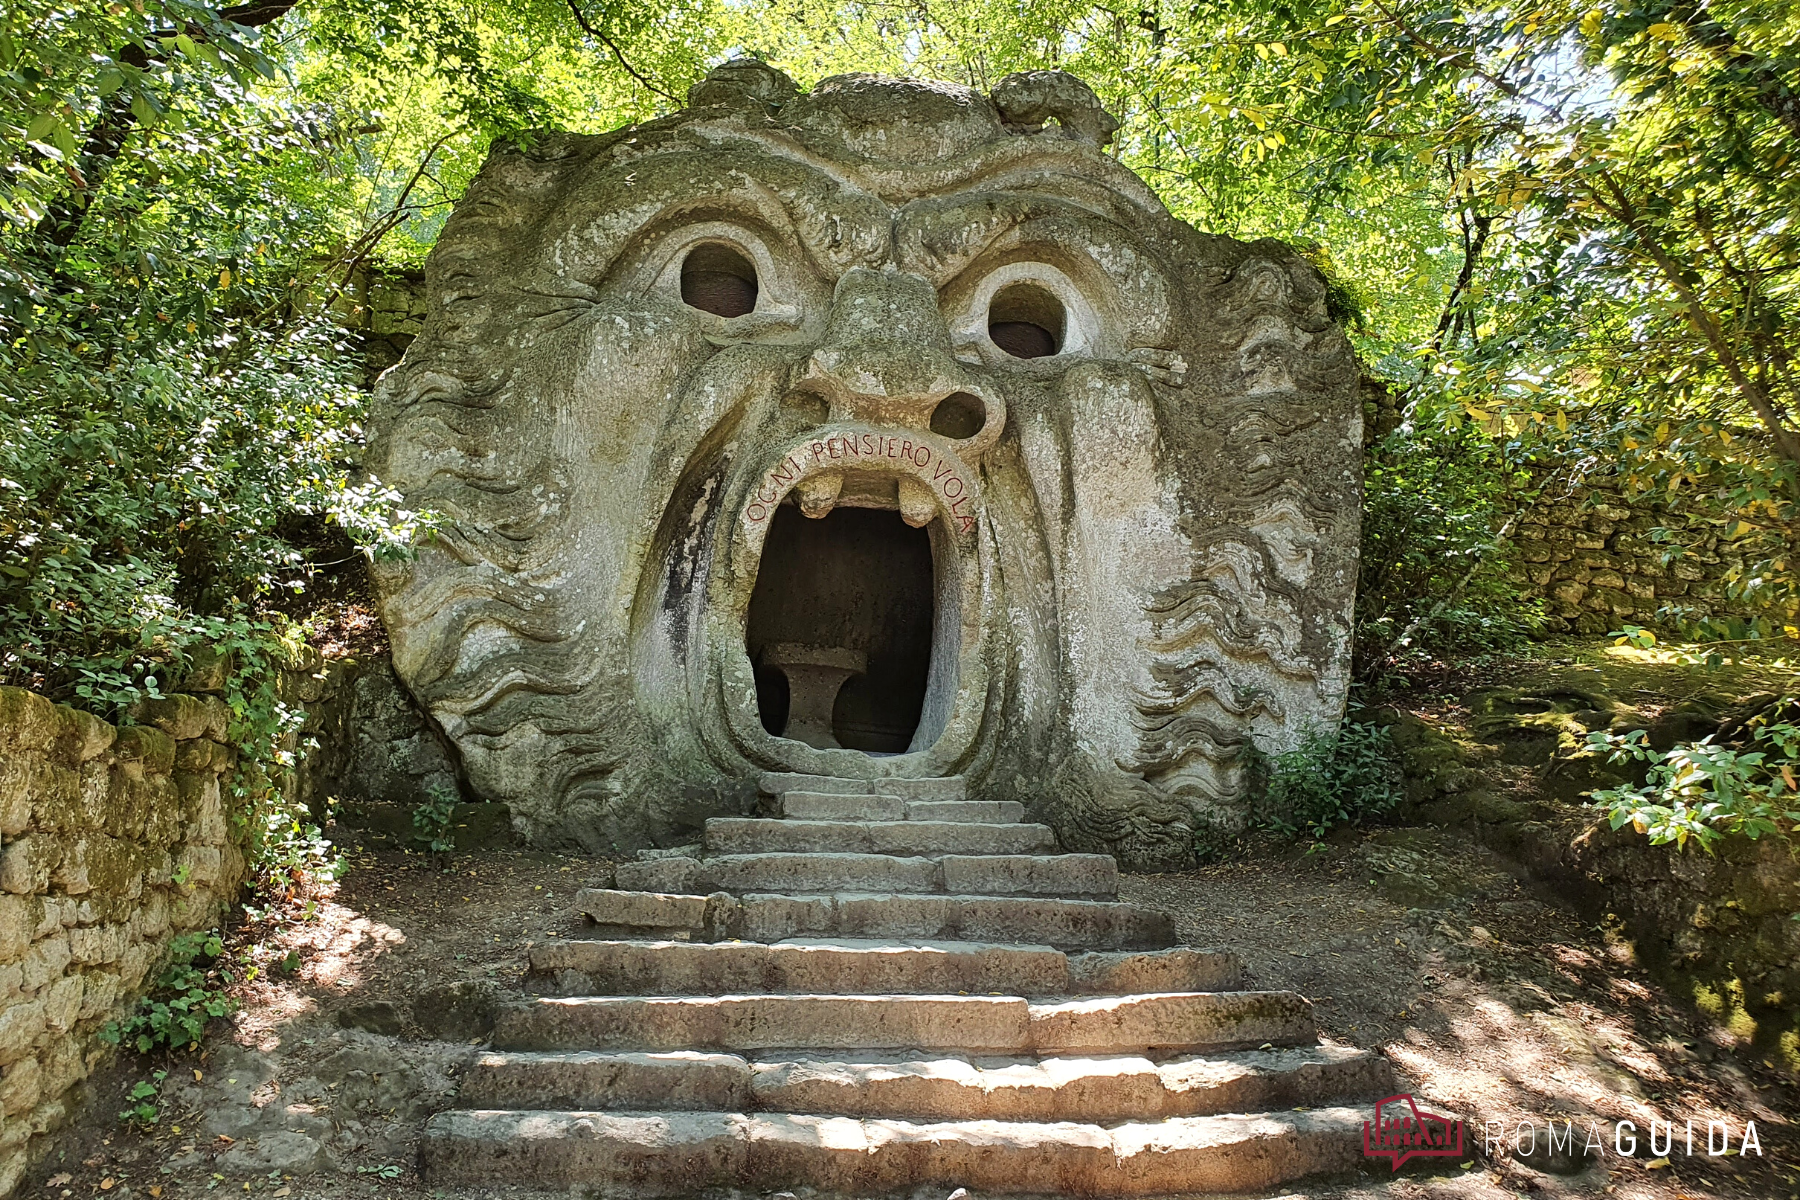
(959,487)
(868,441)
(906,449)
(836,446)
(889,451)
(818,449)
(943,470)
(756,512)
(921,455)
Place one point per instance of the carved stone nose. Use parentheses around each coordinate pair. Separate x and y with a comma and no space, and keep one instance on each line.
(886,359)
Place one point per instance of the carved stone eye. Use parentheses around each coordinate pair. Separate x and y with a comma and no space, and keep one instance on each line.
(1026,321)
(718,279)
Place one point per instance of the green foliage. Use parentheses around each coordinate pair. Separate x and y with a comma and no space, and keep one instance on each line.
(1432,578)
(187,994)
(1701,792)
(1342,778)
(1565,235)
(431,819)
(143,1107)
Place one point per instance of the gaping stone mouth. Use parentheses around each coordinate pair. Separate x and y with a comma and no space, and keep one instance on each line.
(858,555)
(839,628)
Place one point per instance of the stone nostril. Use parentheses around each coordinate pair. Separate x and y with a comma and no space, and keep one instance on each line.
(958,416)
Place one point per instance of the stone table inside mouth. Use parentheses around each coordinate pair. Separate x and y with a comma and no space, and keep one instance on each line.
(814,675)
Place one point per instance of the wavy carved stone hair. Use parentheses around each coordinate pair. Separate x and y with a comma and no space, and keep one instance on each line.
(886,430)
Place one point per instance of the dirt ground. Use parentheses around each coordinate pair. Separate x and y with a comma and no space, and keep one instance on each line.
(1494,1000)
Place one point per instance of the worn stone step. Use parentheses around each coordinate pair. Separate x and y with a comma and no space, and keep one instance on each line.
(779,783)
(752,835)
(825,806)
(980,875)
(622,968)
(672,968)
(1107,1088)
(1160,1021)
(985,812)
(830,806)
(1066,924)
(681,1154)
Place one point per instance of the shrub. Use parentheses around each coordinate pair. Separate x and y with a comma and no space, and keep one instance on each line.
(431,820)
(1329,779)
(1702,791)
(187,994)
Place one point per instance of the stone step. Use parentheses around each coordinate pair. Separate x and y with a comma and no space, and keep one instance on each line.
(824,806)
(670,968)
(682,1154)
(752,835)
(761,917)
(1109,1088)
(1164,1022)
(779,783)
(985,812)
(979,875)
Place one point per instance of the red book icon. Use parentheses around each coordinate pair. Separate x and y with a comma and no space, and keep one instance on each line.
(1400,1131)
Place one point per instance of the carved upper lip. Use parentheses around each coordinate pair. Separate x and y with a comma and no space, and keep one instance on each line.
(934,476)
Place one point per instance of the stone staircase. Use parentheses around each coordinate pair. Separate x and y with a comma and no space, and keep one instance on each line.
(873,993)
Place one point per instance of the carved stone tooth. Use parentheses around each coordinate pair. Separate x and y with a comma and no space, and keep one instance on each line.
(916,505)
(820,493)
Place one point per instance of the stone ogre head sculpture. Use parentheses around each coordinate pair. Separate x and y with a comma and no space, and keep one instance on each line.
(886,431)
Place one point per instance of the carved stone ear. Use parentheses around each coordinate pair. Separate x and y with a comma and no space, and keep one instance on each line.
(1029,100)
(745,83)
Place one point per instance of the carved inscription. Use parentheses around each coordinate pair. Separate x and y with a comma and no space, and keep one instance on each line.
(867,448)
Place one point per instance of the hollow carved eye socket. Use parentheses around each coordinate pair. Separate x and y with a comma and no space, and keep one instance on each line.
(958,416)
(1026,321)
(719,280)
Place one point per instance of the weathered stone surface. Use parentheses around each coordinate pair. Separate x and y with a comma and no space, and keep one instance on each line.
(820,806)
(708,968)
(1110,1088)
(1177,970)
(967,299)
(673,1080)
(991,812)
(756,1022)
(680,1153)
(743,835)
(92,819)
(1171,1021)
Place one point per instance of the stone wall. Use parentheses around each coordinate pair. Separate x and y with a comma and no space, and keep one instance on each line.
(366,741)
(1587,553)
(97,825)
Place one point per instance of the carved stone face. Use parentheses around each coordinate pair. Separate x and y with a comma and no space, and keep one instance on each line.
(889,430)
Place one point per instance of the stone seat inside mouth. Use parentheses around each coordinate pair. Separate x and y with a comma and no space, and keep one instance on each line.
(814,676)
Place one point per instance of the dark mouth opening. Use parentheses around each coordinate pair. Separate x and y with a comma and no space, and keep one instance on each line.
(840,627)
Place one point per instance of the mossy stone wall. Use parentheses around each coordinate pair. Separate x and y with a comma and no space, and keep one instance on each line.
(97,825)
